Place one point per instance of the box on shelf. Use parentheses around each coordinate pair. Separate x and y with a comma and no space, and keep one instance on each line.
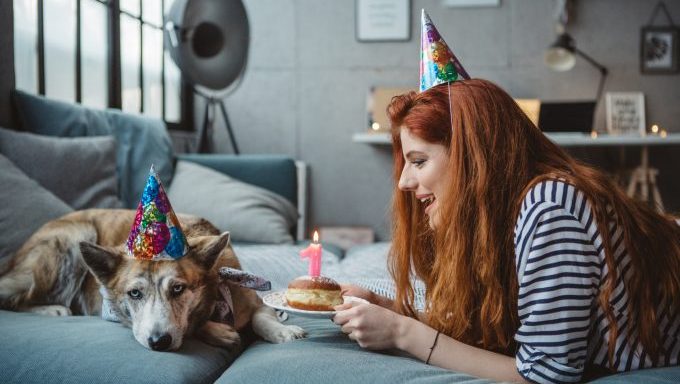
(346,237)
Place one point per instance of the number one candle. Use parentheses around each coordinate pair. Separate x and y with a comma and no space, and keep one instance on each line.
(313,252)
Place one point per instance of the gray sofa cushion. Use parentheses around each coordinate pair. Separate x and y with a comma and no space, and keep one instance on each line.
(668,375)
(142,141)
(25,207)
(91,162)
(86,349)
(329,356)
(249,213)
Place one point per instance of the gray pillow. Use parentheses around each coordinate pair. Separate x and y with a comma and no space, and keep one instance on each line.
(142,140)
(25,207)
(249,213)
(80,171)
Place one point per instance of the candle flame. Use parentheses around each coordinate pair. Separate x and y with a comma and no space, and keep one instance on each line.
(316,236)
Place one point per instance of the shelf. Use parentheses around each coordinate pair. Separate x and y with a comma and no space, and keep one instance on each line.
(562,139)
(372,138)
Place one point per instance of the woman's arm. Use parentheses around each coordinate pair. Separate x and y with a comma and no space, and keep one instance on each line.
(377,328)
(417,338)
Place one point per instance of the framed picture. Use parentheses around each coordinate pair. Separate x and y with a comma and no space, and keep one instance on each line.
(659,49)
(626,113)
(383,20)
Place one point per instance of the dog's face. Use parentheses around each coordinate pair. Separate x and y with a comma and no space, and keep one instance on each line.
(162,301)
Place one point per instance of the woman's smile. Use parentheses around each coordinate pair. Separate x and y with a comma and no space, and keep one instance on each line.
(428,201)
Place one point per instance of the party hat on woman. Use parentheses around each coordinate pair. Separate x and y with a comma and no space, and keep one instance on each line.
(438,64)
(156,233)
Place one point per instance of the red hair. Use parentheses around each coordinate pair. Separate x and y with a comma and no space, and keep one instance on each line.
(496,154)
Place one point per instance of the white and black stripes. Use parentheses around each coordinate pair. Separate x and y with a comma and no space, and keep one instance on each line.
(560,267)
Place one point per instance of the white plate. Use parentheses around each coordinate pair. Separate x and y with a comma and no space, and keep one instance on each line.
(277,300)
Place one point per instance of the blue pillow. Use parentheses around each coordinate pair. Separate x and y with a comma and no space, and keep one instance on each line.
(142,141)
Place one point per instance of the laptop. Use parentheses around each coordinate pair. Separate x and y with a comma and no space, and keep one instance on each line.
(566,117)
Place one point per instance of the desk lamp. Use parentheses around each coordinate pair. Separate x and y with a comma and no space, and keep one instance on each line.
(561,56)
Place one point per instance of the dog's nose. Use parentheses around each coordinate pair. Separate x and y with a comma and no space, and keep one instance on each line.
(160,342)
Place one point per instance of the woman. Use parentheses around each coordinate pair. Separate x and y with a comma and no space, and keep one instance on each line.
(537,267)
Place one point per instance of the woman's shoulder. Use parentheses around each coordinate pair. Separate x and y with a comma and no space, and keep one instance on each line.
(555,193)
(553,202)
(555,215)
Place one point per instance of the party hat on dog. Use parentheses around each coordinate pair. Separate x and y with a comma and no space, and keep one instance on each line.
(156,233)
(437,63)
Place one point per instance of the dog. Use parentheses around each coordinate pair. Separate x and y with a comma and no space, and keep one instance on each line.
(59,271)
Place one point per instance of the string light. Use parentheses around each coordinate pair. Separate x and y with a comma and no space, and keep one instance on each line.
(655,128)
(663,133)
(593,134)
(375,126)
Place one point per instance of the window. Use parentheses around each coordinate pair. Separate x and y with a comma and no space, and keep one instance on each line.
(100,53)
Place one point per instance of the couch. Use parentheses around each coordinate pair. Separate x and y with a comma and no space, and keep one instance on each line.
(252,196)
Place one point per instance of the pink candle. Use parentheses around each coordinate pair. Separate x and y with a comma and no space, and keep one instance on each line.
(313,252)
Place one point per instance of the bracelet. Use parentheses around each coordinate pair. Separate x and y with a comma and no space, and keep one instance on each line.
(432,348)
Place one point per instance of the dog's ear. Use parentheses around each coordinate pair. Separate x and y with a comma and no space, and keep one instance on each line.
(207,255)
(101,261)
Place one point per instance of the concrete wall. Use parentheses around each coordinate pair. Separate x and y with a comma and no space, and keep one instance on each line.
(305,87)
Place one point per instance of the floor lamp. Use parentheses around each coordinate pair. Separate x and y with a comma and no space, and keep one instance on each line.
(208,40)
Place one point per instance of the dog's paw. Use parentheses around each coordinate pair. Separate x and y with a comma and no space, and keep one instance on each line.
(219,335)
(50,310)
(286,333)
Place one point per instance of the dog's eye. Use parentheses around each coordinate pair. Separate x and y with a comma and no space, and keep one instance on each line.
(135,294)
(177,289)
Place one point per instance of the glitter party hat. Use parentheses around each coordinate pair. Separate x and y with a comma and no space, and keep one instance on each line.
(437,63)
(156,233)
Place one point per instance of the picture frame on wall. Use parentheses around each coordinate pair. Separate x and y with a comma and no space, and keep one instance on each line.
(625,113)
(383,20)
(659,49)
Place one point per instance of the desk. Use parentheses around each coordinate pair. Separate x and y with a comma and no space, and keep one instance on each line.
(643,176)
(562,139)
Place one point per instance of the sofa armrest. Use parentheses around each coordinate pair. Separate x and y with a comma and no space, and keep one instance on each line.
(276,173)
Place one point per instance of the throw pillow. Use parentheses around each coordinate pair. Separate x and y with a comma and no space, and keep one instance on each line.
(142,141)
(79,171)
(26,207)
(249,213)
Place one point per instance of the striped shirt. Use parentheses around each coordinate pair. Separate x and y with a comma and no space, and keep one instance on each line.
(560,267)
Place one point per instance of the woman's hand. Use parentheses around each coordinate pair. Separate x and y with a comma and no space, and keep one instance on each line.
(357,291)
(370,325)
(363,293)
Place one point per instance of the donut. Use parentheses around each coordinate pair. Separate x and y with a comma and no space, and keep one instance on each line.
(313,293)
